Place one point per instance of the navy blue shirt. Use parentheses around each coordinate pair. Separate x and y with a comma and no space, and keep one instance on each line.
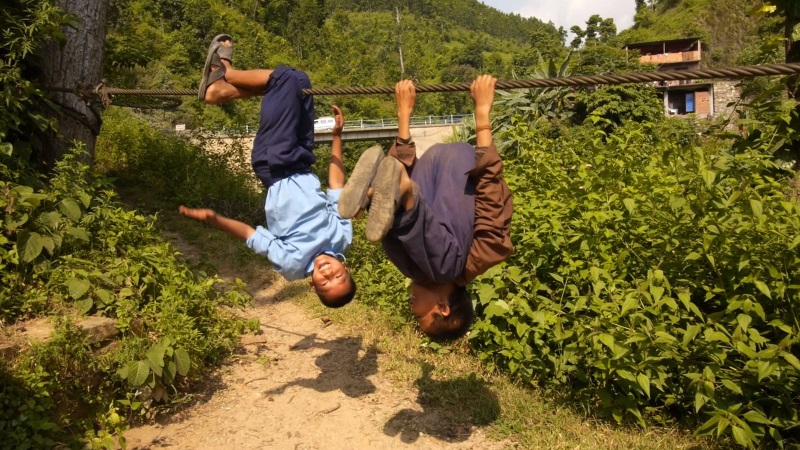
(431,242)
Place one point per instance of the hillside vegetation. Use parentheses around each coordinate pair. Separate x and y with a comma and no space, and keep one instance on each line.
(725,26)
(339,43)
(655,276)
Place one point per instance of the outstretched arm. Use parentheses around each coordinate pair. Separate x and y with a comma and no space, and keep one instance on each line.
(491,243)
(404,148)
(336,167)
(233,227)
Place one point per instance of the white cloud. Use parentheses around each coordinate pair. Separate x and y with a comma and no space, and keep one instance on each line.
(566,13)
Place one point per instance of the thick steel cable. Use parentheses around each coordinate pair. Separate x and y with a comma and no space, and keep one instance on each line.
(641,77)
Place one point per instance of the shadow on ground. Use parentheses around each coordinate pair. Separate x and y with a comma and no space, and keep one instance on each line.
(342,367)
(451,409)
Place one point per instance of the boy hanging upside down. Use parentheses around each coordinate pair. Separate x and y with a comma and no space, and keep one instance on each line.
(305,235)
(443,219)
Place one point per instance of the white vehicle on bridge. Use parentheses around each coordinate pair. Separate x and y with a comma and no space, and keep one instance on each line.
(324,124)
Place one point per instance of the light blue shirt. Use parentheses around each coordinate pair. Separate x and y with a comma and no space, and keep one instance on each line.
(302,222)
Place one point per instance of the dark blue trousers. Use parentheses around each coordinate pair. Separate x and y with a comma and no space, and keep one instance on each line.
(284,143)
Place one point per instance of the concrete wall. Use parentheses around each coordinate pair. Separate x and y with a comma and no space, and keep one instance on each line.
(725,92)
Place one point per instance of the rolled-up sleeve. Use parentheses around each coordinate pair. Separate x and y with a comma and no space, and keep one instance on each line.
(286,259)
(491,242)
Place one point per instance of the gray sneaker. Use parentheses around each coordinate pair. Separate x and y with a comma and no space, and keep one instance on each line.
(354,193)
(385,199)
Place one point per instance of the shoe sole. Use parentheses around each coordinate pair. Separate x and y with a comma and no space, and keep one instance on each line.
(385,196)
(354,193)
(201,91)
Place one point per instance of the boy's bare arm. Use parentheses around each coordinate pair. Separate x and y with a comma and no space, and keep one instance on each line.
(404,149)
(233,227)
(482,91)
(336,167)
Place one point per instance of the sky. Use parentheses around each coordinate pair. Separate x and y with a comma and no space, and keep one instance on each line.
(567,13)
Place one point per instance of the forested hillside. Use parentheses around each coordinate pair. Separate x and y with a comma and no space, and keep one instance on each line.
(338,42)
(724,25)
(655,275)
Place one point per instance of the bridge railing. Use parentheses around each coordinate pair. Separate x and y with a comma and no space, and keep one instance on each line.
(353,124)
(415,121)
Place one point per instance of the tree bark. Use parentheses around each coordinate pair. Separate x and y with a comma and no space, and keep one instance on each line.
(792,50)
(76,64)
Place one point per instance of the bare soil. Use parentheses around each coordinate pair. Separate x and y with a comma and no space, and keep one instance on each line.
(302,383)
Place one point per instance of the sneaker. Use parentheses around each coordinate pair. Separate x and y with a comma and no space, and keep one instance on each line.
(354,193)
(385,199)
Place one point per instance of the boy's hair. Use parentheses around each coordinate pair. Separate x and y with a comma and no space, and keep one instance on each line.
(334,302)
(455,325)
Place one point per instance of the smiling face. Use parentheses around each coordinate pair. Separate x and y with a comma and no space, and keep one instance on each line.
(331,278)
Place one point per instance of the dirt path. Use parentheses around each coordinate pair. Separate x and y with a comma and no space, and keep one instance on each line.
(305,385)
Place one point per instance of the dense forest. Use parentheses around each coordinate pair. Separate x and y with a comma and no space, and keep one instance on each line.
(359,43)
(339,43)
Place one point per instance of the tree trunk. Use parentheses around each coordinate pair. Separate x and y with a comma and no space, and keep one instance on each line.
(792,55)
(75,64)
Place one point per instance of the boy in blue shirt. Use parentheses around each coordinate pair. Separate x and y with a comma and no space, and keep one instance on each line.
(305,235)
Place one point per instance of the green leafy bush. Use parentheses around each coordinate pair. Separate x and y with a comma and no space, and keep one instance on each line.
(656,280)
(68,247)
(180,171)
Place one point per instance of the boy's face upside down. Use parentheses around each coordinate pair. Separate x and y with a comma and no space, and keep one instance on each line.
(429,300)
(331,278)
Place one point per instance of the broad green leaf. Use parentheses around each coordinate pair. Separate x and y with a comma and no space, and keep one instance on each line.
(607,340)
(656,292)
(6,148)
(693,256)
(741,436)
(776,435)
(644,382)
(629,303)
(699,400)
(691,332)
(137,373)
(84,306)
(170,370)
(155,359)
(733,387)
(763,288)
(708,177)
(791,359)
(754,416)
(626,375)
(29,245)
(755,206)
(630,205)
(744,321)
(70,208)
(79,233)
(765,369)
(77,287)
(104,296)
(486,292)
(86,199)
(496,308)
(182,361)
(48,244)
(708,426)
